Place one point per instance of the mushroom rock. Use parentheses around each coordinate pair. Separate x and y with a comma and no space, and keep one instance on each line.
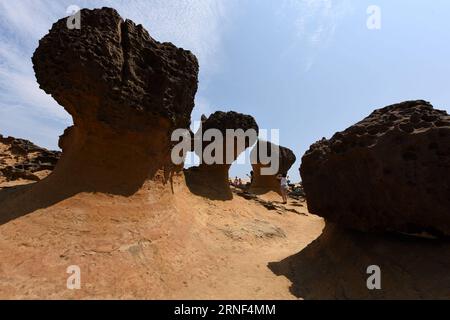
(126,93)
(262,182)
(212,179)
(389,172)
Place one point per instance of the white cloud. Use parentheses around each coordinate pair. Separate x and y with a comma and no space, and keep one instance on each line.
(196,25)
(314,23)
(316,20)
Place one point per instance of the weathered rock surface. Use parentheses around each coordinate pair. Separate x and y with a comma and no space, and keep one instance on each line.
(126,93)
(391,171)
(263,182)
(21,159)
(215,175)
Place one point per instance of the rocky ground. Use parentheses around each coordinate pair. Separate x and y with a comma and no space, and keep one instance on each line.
(21,161)
(139,227)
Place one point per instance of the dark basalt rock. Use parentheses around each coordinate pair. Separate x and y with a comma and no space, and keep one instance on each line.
(286,157)
(389,172)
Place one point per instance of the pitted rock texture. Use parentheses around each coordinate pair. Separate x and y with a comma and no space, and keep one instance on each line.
(21,159)
(222,121)
(264,182)
(126,93)
(114,72)
(216,175)
(389,172)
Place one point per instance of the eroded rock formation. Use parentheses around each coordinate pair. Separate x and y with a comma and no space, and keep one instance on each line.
(391,171)
(21,159)
(211,179)
(263,182)
(126,93)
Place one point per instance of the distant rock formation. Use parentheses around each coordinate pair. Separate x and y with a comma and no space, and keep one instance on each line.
(21,159)
(126,93)
(389,172)
(215,176)
(262,182)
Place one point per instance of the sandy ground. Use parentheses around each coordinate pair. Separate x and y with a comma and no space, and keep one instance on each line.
(153,245)
(163,242)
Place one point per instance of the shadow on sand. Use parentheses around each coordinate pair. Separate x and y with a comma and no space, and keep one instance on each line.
(334,266)
(209,184)
(19,201)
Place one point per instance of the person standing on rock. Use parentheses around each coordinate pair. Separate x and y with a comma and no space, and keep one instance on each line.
(251,176)
(283,186)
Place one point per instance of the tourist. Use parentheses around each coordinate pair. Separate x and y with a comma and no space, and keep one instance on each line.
(283,187)
(251,176)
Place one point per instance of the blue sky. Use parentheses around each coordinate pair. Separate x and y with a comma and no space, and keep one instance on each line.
(307,67)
